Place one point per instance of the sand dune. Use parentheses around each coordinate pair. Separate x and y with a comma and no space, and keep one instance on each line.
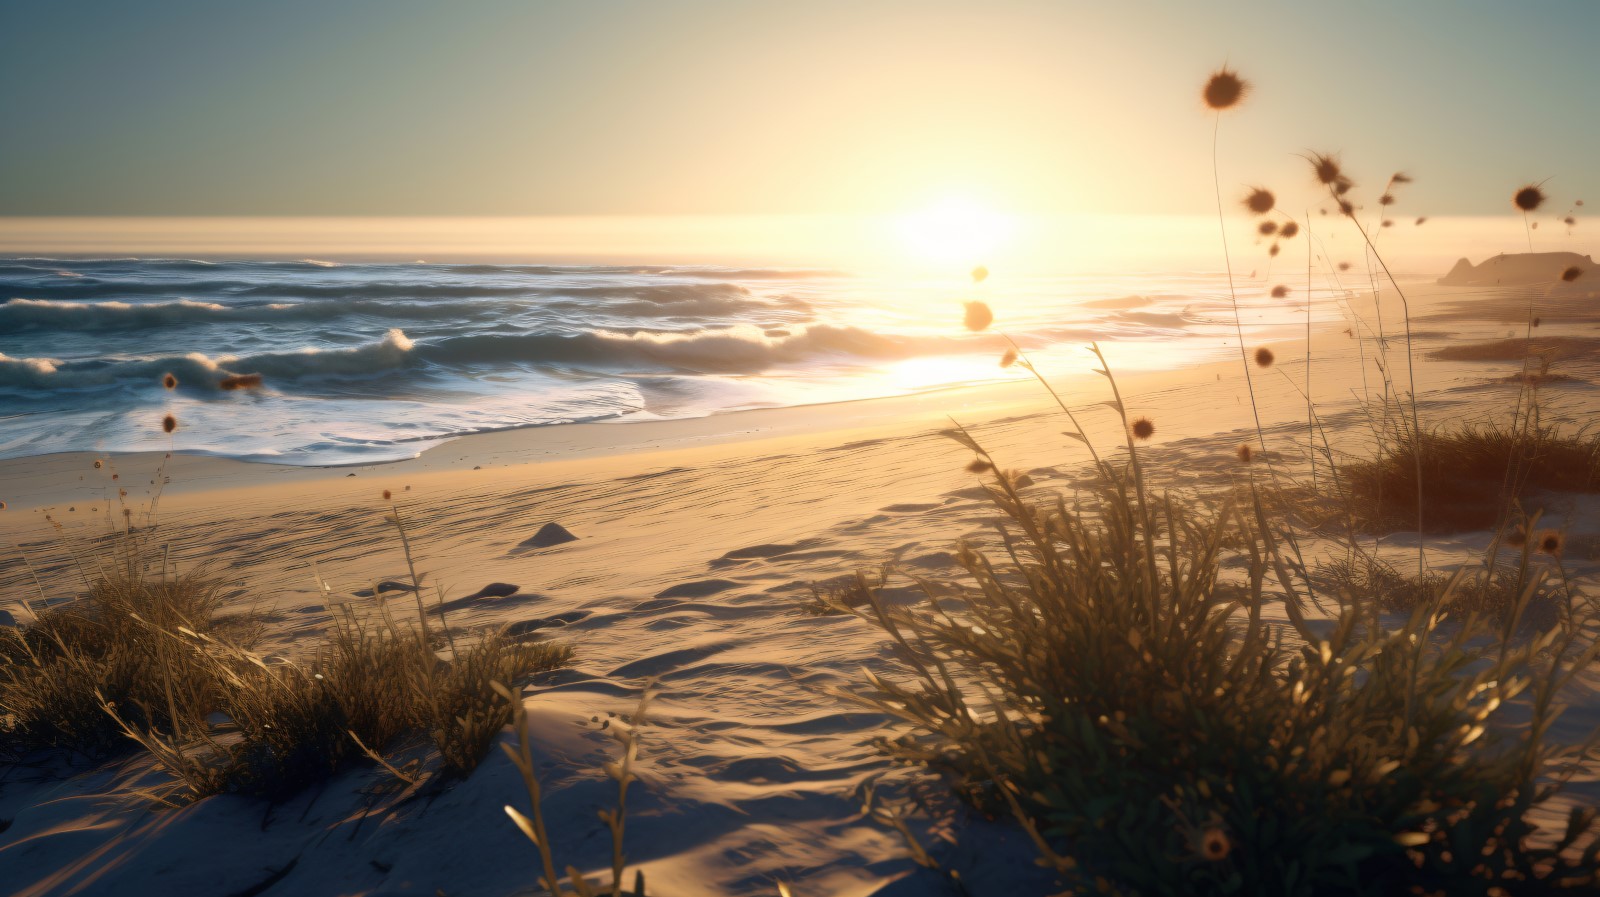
(697,542)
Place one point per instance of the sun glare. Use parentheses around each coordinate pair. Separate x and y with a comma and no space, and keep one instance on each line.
(955,229)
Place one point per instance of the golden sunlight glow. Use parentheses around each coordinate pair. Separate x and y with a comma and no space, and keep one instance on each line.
(955,230)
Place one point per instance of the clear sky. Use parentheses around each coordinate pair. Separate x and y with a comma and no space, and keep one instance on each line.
(495,107)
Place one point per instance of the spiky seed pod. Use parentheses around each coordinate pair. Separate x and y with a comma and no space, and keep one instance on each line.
(1267,228)
(1224,89)
(1400,177)
(1388,222)
(1288,230)
(1259,200)
(1280,291)
(1245,452)
(1551,543)
(979,465)
(1326,168)
(1571,274)
(1569,221)
(1342,186)
(1386,199)
(1344,266)
(980,274)
(169,381)
(1008,359)
(1528,198)
(386,495)
(1264,357)
(1143,428)
(1273,251)
(1422,219)
(978,316)
(1213,844)
(1347,208)
(169,423)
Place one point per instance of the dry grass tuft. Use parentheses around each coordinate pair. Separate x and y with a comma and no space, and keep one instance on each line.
(1473,476)
(1135,714)
(143,659)
(1494,594)
(51,671)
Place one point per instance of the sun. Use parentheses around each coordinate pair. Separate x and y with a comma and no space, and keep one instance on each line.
(957,230)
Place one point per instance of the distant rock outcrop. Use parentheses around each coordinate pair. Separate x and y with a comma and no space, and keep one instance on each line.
(1519,268)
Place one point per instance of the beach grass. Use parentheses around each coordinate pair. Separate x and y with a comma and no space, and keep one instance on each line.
(1109,685)
(144,660)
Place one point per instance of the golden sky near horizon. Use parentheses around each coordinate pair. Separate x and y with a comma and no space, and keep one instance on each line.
(492,108)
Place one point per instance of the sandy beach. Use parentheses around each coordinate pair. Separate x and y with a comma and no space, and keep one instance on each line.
(697,542)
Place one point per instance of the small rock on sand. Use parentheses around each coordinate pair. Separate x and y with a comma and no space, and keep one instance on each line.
(7,620)
(549,534)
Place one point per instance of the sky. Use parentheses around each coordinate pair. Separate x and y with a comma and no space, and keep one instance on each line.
(704,107)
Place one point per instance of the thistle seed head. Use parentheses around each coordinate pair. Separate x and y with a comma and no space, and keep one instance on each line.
(1224,89)
(1528,198)
(978,316)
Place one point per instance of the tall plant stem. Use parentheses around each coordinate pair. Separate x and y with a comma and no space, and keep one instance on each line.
(1222,227)
(1311,427)
(1411,376)
(1082,436)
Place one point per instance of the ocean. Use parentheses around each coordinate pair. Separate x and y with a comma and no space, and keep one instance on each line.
(368,362)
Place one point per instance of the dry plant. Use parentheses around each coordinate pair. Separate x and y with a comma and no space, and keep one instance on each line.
(142,659)
(533,825)
(1474,474)
(1147,727)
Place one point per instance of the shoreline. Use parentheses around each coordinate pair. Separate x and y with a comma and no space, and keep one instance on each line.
(698,542)
(53,479)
